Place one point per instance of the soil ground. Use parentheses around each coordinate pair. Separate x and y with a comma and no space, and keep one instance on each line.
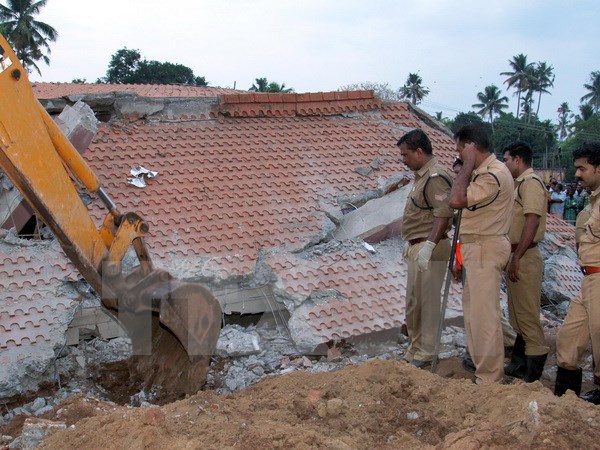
(377,404)
(382,404)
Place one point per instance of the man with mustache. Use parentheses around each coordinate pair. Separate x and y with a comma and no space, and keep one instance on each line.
(582,323)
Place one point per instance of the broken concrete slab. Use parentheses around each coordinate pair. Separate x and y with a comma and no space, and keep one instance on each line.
(302,331)
(562,276)
(166,107)
(79,124)
(378,219)
(97,321)
(37,300)
(35,430)
(235,340)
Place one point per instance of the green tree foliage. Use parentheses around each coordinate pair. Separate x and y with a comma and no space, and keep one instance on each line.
(260,85)
(154,72)
(413,89)
(492,103)
(544,79)
(527,106)
(586,111)
(29,38)
(583,131)
(263,85)
(541,136)
(200,81)
(592,98)
(520,77)
(564,121)
(127,67)
(122,66)
(467,118)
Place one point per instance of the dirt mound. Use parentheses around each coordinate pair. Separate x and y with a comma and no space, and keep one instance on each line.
(382,404)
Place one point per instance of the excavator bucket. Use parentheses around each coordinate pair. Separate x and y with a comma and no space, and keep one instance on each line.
(173,325)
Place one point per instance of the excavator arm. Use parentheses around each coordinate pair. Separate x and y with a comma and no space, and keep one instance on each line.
(174,325)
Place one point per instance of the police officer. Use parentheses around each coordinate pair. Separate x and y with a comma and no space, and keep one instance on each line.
(524,273)
(484,189)
(582,323)
(427,219)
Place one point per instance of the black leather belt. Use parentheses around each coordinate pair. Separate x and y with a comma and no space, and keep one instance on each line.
(419,240)
(513,247)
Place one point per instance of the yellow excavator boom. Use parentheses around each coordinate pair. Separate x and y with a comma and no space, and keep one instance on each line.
(174,326)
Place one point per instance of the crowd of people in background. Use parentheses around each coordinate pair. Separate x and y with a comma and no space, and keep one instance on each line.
(566,201)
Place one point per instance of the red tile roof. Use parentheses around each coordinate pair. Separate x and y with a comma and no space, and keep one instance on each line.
(32,308)
(251,184)
(563,230)
(232,188)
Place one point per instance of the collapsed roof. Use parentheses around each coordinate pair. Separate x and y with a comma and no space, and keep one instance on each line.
(249,198)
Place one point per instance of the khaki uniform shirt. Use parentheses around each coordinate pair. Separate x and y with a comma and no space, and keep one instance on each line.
(418,217)
(583,216)
(490,198)
(589,245)
(531,197)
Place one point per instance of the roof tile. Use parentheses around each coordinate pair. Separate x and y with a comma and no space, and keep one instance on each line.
(228,188)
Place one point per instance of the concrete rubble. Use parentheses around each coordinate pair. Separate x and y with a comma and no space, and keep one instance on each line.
(244,345)
(281,341)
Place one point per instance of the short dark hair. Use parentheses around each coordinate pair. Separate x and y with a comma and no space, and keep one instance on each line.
(590,151)
(474,133)
(415,139)
(559,186)
(520,149)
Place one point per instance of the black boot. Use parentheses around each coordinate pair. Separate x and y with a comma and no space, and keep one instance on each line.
(467,363)
(568,379)
(518,363)
(592,396)
(535,367)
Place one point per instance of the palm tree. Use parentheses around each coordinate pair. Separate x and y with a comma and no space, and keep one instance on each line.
(586,111)
(527,105)
(491,103)
(28,37)
(413,89)
(260,85)
(276,87)
(520,77)
(263,85)
(564,118)
(544,78)
(592,98)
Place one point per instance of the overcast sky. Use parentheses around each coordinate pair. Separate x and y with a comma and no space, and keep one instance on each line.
(457,46)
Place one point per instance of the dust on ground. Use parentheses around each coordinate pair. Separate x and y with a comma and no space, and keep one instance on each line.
(376,404)
(345,404)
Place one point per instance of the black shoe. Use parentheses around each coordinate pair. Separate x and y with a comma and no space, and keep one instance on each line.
(535,368)
(518,362)
(568,379)
(468,364)
(517,368)
(420,364)
(592,396)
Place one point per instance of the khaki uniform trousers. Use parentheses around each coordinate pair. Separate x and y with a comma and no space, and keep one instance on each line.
(423,300)
(581,325)
(484,259)
(524,302)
